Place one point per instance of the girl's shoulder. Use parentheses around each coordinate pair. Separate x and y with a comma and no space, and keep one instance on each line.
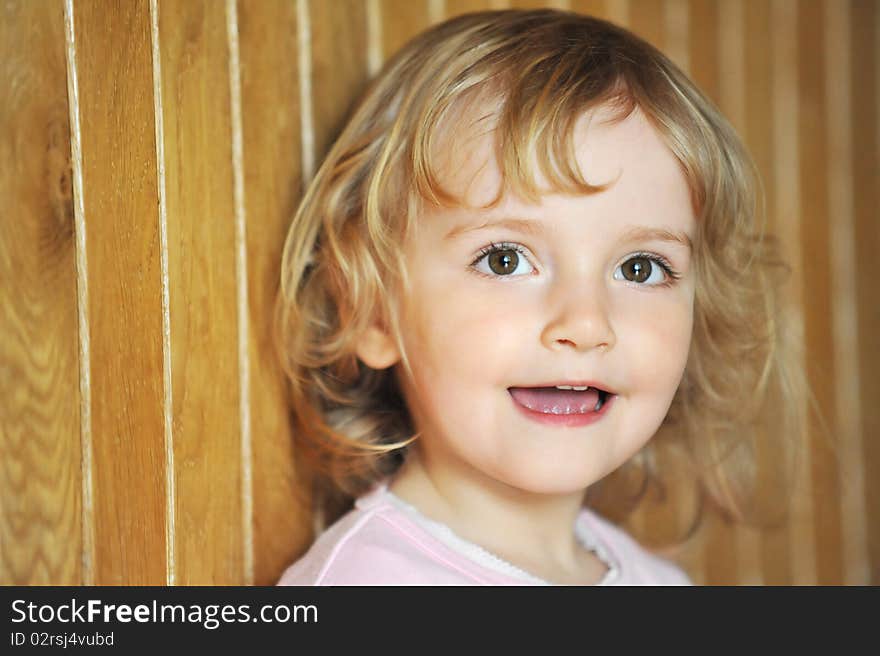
(377,544)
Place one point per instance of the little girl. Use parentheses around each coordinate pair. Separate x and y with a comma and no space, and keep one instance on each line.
(535,247)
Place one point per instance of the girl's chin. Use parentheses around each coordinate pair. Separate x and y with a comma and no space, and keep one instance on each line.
(574,487)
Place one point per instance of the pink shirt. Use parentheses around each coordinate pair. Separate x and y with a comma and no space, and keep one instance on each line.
(384,541)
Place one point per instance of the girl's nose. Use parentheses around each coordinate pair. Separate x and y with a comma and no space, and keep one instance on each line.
(580,322)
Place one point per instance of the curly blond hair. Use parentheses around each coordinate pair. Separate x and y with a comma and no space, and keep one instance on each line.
(342,266)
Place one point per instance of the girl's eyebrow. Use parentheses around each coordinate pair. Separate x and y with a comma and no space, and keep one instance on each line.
(525,226)
(530,227)
(642,233)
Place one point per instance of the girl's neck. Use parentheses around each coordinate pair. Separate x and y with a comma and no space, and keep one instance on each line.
(532,531)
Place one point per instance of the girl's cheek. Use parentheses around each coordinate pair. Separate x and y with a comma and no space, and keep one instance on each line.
(465,336)
(665,344)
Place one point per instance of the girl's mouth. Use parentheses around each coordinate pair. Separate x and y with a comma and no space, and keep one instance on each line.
(559,400)
(562,404)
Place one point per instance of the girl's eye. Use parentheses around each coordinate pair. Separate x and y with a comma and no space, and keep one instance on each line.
(647,269)
(503,260)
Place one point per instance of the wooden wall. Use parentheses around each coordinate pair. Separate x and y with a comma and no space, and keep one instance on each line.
(151,155)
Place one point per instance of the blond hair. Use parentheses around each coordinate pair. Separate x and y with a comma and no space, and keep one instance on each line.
(342,266)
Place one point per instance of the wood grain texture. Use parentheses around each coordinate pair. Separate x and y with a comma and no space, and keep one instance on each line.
(865,57)
(270,111)
(338,75)
(456,7)
(815,268)
(758,136)
(401,20)
(618,11)
(40,468)
(537,4)
(838,94)
(758,132)
(202,291)
(787,218)
(733,44)
(676,20)
(125,308)
(703,37)
(646,19)
(597,8)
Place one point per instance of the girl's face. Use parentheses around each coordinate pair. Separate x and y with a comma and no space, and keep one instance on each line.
(506,304)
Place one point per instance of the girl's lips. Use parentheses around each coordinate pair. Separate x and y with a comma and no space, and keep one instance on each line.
(560,407)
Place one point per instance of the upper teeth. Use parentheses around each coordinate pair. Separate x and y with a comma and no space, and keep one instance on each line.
(573,387)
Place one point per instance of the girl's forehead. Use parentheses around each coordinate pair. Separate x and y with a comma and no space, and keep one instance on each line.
(466,162)
(465,155)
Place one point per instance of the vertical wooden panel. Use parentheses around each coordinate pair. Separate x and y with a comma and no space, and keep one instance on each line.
(125,307)
(202,292)
(618,11)
(816,270)
(401,20)
(646,20)
(732,88)
(595,8)
(758,99)
(676,17)
(718,554)
(865,20)
(731,48)
(270,112)
(758,135)
(338,75)
(844,311)
(538,4)
(456,7)
(703,38)
(40,470)
(787,211)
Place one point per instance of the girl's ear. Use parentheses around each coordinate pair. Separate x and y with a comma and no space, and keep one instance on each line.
(377,349)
